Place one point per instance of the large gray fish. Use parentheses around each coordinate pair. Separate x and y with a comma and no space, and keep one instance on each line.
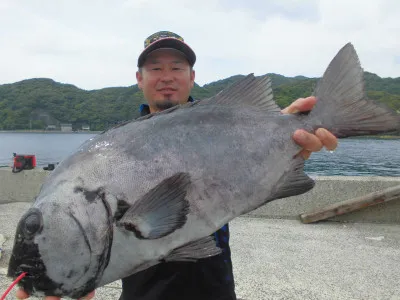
(154,190)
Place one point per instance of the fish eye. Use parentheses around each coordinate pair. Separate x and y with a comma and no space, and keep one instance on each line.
(32,223)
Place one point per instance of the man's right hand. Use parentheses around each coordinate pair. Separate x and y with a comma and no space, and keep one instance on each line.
(21,294)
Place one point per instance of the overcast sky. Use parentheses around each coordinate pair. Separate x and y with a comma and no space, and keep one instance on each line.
(95,44)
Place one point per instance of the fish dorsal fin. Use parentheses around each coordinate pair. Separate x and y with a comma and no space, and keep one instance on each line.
(248,91)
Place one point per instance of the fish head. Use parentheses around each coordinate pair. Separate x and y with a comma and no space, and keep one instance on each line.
(63,242)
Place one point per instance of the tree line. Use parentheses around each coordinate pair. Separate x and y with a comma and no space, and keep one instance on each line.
(40,102)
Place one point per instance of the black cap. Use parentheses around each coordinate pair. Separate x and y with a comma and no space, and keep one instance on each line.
(166,39)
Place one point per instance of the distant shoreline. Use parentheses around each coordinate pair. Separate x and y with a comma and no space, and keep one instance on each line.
(49,131)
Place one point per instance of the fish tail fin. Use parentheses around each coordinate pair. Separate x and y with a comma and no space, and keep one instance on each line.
(342,106)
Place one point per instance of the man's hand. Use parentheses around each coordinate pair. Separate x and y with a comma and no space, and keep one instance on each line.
(310,142)
(22,295)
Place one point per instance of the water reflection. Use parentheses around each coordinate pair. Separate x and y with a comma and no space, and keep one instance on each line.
(355,157)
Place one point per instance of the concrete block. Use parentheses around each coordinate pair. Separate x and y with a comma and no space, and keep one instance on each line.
(333,189)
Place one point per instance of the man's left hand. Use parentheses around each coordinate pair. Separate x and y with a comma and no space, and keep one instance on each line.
(310,142)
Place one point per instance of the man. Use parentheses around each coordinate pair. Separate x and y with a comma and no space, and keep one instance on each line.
(166,77)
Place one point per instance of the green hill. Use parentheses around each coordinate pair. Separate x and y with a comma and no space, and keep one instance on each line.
(38,103)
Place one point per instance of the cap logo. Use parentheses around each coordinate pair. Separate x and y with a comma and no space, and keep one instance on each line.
(161,35)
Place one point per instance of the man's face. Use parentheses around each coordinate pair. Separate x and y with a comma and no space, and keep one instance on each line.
(166,79)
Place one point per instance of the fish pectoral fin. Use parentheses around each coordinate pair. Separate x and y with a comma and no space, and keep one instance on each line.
(161,211)
(296,182)
(191,252)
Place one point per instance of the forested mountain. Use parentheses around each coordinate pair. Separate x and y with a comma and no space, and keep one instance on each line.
(38,103)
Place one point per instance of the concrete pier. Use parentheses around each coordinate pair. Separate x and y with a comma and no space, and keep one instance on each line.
(275,256)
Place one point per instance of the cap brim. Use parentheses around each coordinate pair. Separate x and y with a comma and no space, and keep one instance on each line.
(168,43)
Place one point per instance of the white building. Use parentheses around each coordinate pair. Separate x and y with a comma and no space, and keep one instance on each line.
(66,127)
(51,127)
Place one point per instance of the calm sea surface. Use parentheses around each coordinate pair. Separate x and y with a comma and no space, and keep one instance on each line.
(354,157)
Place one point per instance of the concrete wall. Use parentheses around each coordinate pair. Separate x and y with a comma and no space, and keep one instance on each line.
(24,186)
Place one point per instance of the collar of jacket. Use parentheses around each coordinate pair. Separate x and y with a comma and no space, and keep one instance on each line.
(144,109)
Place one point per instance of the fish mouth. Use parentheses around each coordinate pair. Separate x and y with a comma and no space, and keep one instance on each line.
(37,283)
(26,258)
(35,278)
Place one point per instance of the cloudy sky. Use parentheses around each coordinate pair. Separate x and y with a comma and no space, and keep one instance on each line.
(95,43)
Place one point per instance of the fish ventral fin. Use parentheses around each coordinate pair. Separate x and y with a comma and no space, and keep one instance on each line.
(342,106)
(294,182)
(247,91)
(161,211)
(191,252)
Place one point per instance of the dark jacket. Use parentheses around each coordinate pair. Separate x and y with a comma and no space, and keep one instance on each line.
(207,279)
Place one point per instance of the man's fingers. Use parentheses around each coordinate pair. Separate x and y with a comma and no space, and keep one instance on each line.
(301,104)
(313,143)
(307,140)
(310,142)
(88,296)
(328,139)
(21,294)
(305,153)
